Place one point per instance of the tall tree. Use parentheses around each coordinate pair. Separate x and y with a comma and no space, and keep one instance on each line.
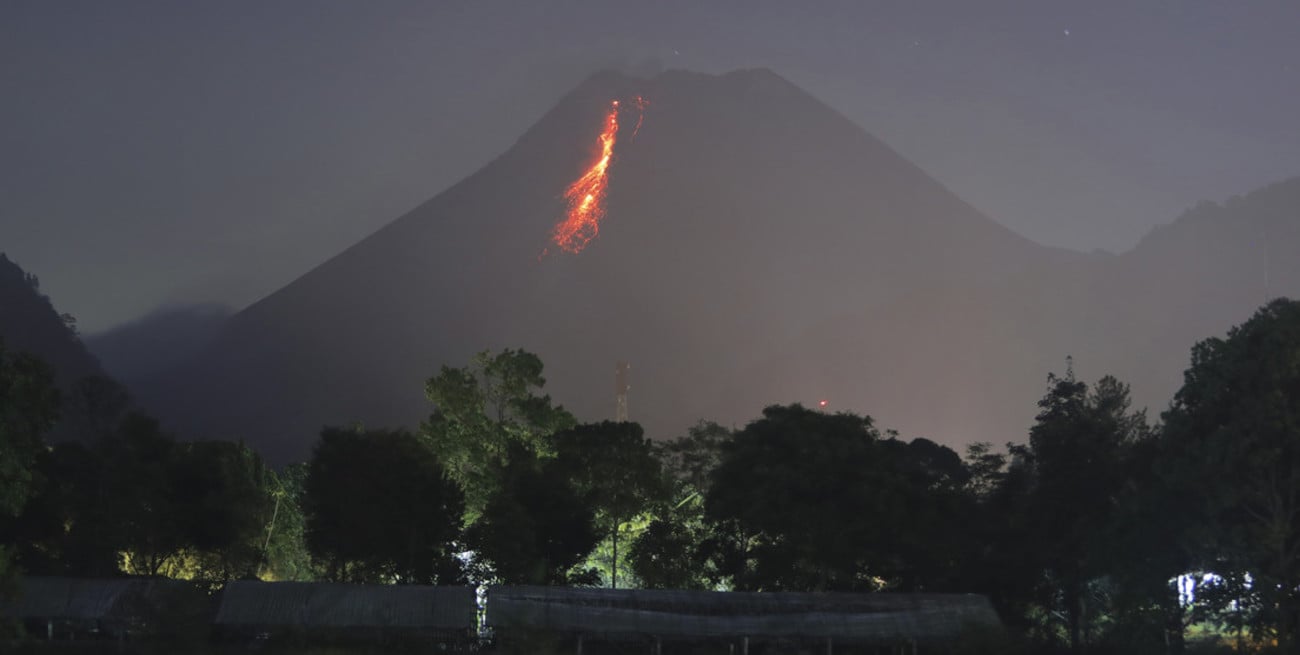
(141,503)
(1232,443)
(614,465)
(1007,566)
(797,504)
(480,411)
(29,407)
(223,491)
(1077,457)
(285,541)
(536,527)
(135,489)
(381,508)
(929,547)
(670,552)
(691,458)
(73,526)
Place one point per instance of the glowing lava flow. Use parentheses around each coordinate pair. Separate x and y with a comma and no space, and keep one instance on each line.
(586,196)
(640,113)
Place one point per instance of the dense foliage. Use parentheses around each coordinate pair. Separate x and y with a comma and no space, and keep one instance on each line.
(380,508)
(28,409)
(1099,532)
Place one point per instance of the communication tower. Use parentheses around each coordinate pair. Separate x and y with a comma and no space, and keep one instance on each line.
(620,391)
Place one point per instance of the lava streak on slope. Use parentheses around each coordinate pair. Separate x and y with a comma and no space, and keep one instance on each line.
(586,195)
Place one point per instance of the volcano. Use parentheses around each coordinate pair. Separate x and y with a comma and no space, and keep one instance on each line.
(755,247)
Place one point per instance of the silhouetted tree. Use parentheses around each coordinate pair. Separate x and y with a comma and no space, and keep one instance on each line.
(139,502)
(692,458)
(223,493)
(670,552)
(1007,567)
(135,490)
(797,505)
(381,508)
(1076,462)
(925,487)
(536,527)
(1232,446)
(984,469)
(68,527)
(1150,546)
(29,407)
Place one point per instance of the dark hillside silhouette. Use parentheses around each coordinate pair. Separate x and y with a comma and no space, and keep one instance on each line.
(29,322)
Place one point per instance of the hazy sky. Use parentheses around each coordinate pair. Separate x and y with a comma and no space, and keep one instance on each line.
(155,152)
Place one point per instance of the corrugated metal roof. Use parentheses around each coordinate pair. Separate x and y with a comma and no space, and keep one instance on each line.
(83,598)
(347,606)
(855,617)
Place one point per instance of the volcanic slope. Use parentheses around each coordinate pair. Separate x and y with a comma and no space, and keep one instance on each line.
(758,247)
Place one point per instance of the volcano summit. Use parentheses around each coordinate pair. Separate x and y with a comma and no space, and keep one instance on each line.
(758,247)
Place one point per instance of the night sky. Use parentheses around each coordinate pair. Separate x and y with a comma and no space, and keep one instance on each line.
(166,152)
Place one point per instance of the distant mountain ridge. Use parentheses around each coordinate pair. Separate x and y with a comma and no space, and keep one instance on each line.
(759,247)
(149,346)
(29,322)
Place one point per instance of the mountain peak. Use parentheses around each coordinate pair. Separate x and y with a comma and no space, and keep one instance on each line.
(741,213)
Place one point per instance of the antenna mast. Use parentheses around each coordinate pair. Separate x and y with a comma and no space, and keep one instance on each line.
(620,391)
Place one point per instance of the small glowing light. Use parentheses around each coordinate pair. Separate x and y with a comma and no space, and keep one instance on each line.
(822,403)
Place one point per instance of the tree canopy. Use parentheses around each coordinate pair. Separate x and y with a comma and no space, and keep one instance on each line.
(29,407)
(536,527)
(1098,532)
(380,507)
(1232,446)
(614,466)
(481,411)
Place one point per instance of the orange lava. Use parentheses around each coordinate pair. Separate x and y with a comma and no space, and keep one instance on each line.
(586,195)
(640,113)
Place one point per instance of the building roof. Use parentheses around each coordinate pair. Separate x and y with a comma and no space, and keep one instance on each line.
(320,604)
(86,598)
(879,617)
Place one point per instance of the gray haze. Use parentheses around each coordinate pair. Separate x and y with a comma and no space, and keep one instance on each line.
(161,152)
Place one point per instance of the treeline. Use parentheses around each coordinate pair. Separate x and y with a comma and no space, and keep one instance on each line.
(1102,531)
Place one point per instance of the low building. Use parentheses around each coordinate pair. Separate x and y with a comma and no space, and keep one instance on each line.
(907,622)
(59,608)
(340,613)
